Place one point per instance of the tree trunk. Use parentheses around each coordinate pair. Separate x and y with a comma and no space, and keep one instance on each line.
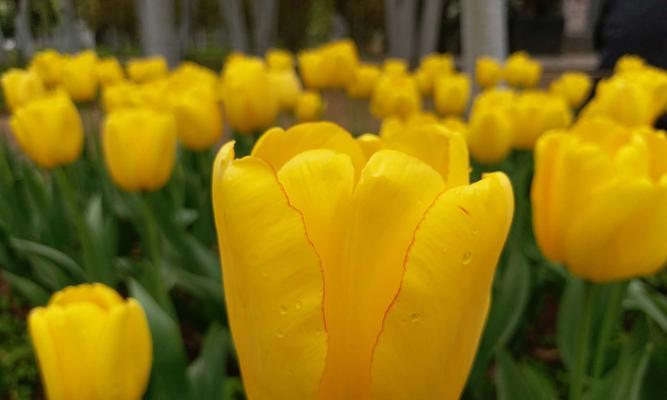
(400,25)
(24,40)
(430,26)
(156,26)
(233,17)
(484,31)
(65,34)
(185,29)
(266,18)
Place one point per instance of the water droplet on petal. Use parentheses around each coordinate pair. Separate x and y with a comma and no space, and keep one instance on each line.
(280,334)
(414,317)
(298,305)
(283,310)
(467,257)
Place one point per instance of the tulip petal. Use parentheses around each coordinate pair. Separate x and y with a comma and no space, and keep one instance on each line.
(393,192)
(272,278)
(278,146)
(47,354)
(124,354)
(431,331)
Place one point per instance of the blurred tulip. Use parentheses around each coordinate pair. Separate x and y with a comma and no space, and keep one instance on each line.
(49,130)
(139,148)
(394,66)
(395,95)
(20,87)
(535,113)
(433,67)
(629,63)
(451,94)
(48,64)
(573,87)
(189,75)
(599,198)
(375,259)
(488,72)
(309,107)
(490,135)
(369,144)
(251,101)
(142,70)
(331,66)
(362,84)
(521,71)
(198,119)
(312,69)
(280,60)
(120,95)
(287,87)
(92,344)
(109,71)
(79,76)
(455,124)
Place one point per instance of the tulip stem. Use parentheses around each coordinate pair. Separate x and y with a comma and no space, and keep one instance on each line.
(578,371)
(609,319)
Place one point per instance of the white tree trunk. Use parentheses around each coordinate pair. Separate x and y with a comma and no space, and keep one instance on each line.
(400,25)
(185,31)
(233,17)
(484,30)
(24,40)
(431,21)
(158,33)
(66,36)
(266,18)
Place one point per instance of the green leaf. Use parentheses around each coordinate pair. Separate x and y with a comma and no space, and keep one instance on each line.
(569,315)
(101,239)
(32,292)
(207,373)
(521,381)
(168,376)
(642,298)
(33,249)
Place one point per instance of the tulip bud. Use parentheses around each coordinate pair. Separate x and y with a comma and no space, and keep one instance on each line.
(451,94)
(280,60)
(20,86)
(109,71)
(139,148)
(309,107)
(490,135)
(573,87)
(120,95)
(362,84)
(535,113)
(49,130)
(287,87)
(143,70)
(198,119)
(521,71)
(79,76)
(488,72)
(396,95)
(433,67)
(92,344)
(48,64)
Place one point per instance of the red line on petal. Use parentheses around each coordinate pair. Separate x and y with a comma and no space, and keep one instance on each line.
(464,210)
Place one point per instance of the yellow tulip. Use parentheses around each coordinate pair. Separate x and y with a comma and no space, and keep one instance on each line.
(375,259)
(433,67)
(287,87)
(156,94)
(451,94)
(92,344)
(628,63)
(312,69)
(490,134)
(535,113)
(49,130)
(455,124)
(120,95)
(198,119)
(143,70)
(331,66)
(599,200)
(396,95)
(280,60)
(521,71)
(48,64)
(370,144)
(573,87)
(251,102)
(488,72)
(395,66)
(109,71)
(309,107)
(139,148)
(189,75)
(79,76)
(362,84)
(394,125)
(20,87)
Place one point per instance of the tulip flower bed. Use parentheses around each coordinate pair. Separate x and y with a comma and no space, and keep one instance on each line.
(510,251)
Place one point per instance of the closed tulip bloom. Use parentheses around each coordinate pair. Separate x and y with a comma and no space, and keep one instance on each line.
(251,102)
(287,87)
(490,135)
(451,94)
(600,200)
(488,72)
(198,119)
(573,87)
(433,67)
(521,71)
(309,107)
(629,62)
(396,95)
(312,69)
(109,71)
(341,60)
(92,344)
(362,84)
(395,66)
(370,144)
(535,113)
(139,148)
(49,130)
(48,64)
(20,87)
(79,76)
(379,284)
(280,60)
(455,123)
(120,95)
(623,100)
(189,75)
(394,125)
(148,69)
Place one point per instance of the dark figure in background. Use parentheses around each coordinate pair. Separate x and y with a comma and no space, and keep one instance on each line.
(631,27)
